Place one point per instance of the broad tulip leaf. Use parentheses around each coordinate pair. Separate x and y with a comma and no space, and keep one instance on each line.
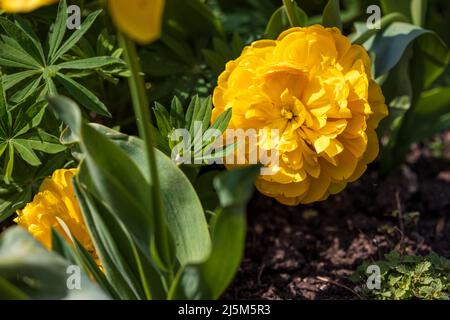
(431,115)
(38,273)
(119,183)
(331,16)
(279,21)
(116,267)
(390,44)
(209,279)
(185,214)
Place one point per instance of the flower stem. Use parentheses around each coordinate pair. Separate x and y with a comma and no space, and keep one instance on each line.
(289,6)
(161,243)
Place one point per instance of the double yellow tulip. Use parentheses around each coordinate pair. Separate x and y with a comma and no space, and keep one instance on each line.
(138,19)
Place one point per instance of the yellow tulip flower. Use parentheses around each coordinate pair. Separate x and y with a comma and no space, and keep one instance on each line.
(56,199)
(138,19)
(315,87)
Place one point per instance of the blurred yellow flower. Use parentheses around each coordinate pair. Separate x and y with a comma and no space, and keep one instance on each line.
(15,6)
(315,88)
(138,19)
(56,199)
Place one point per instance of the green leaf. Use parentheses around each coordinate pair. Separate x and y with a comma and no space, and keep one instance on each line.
(9,163)
(190,111)
(162,119)
(59,29)
(75,37)
(279,21)
(185,215)
(16,199)
(4,110)
(31,88)
(401,6)
(193,17)
(199,110)
(90,63)
(118,253)
(116,268)
(208,280)
(61,247)
(10,292)
(176,113)
(11,80)
(92,269)
(42,141)
(27,42)
(38,273)
(29,119)
(83,95)
(220,124)
(431,115)
(390,45)
(26,152)
(418,12)
(12,55)
(118,183)
(214,60)
(331,16)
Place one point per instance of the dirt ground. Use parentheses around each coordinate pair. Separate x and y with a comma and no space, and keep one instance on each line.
(308,252)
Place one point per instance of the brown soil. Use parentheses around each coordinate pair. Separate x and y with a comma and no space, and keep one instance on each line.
(308,252)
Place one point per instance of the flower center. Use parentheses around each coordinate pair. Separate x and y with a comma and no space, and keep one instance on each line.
(287,113)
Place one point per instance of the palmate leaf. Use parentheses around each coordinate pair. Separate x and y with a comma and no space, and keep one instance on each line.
(21,49)
(59,29)
(162,119)
(26,152)
(31,87)
(29,42)
(19,136)
(27,180)
(13,55)
(83,95)
(90,63)
(75,37)
(199,111)
(42,141)
(11,80)
(176,113)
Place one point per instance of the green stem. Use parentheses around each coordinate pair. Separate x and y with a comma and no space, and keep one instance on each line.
(289,6)
(385,22)
(418,12)
(161,243)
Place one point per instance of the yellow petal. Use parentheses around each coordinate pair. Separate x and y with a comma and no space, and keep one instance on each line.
(138,19)
(22,6)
